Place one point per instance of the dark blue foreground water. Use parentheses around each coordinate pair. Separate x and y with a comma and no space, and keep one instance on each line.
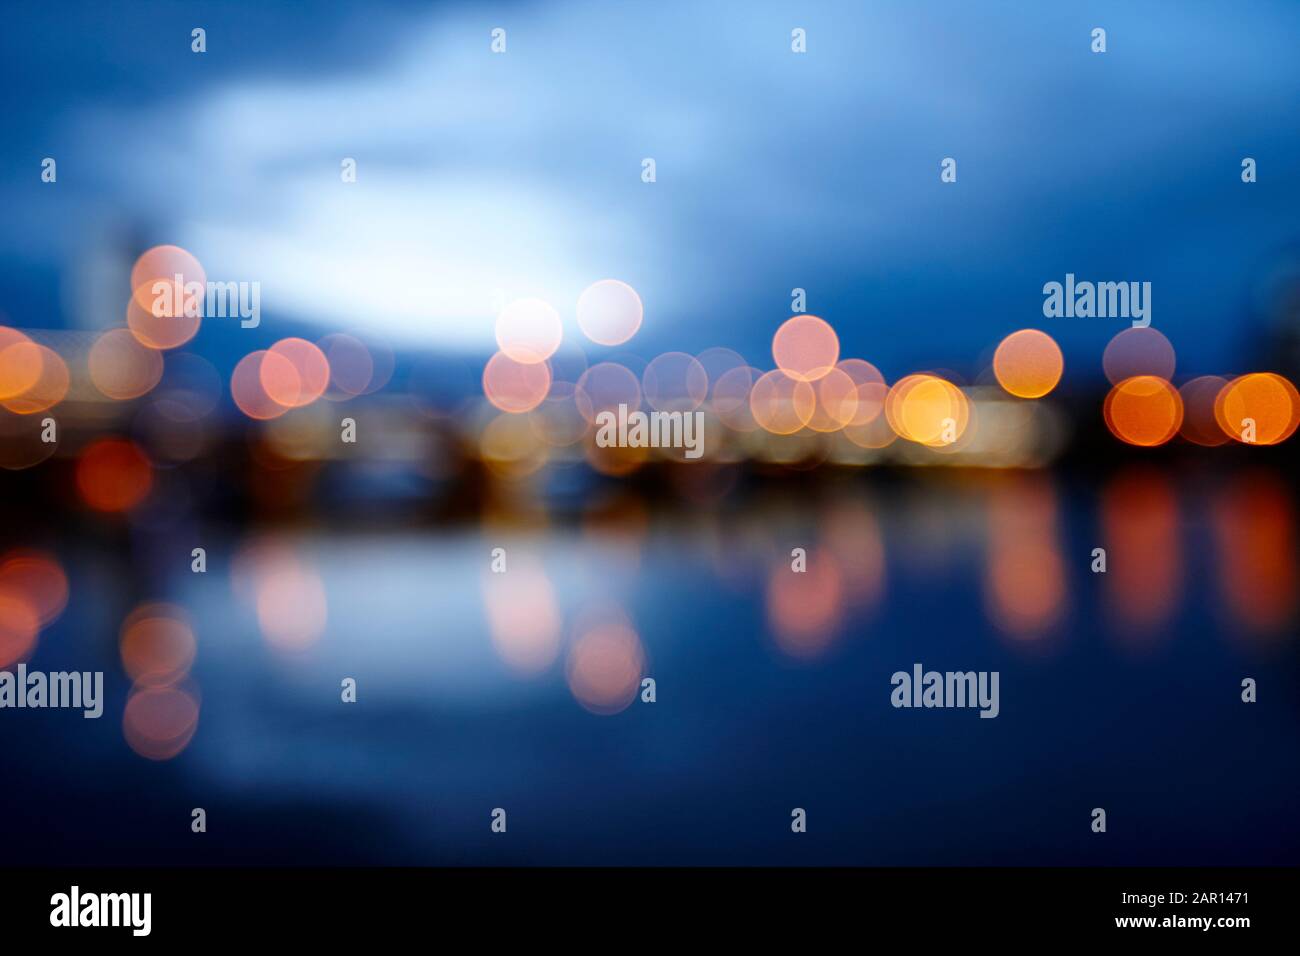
(1125,704)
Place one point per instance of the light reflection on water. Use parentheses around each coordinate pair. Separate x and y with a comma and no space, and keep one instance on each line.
(1118,689)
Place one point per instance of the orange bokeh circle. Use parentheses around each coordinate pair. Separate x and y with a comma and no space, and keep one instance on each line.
(1144,410)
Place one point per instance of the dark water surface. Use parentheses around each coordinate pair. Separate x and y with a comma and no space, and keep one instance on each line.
(1119,690)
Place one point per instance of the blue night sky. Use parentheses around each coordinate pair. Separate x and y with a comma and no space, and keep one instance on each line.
(520,174)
